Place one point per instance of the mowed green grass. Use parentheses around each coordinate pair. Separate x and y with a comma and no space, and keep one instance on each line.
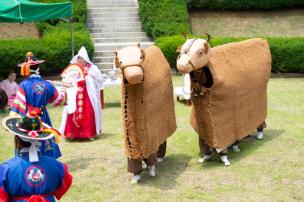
(278,23)
(267,170)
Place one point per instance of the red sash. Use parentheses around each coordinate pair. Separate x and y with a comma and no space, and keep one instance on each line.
(33,198)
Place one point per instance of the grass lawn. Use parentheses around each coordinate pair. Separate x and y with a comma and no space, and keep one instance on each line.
(267,170)
(287,22)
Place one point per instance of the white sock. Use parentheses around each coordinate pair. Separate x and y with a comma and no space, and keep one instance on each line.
(236,148)
(260,135)
(204,158)
(160,159)
(152,171)
(135,179)
(225,160)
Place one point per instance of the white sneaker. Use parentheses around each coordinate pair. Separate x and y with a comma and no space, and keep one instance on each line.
(135,179)
(92,139)
(144,165)
(204,158)
(152,171)
(236,148)
(160,159)
(225,160)
(260,136)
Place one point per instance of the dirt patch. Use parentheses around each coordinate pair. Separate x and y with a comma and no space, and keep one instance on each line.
(287,22)
(17,30)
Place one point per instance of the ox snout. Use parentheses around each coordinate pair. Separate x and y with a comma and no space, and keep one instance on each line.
(183,64)
(133,74)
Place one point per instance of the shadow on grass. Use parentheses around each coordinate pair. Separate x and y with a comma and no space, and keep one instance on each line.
(111,105)
(97,138)
(79,163)
(167,172)
(247,146)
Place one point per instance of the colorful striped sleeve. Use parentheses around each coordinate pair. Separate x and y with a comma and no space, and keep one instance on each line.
(58,97)
(19,104)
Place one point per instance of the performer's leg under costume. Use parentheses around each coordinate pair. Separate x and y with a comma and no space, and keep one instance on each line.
(135,165)
(204,148)
(261,127)
(162,150)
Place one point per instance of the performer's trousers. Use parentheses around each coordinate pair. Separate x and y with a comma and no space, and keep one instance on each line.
(206,150)
(162,150)
(135,165)
(261,127)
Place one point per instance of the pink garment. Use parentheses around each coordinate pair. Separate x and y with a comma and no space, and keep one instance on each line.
(11,89)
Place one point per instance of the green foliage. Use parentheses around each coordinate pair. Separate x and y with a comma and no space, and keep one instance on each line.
(287,53)
(164,17)
(54,47)
(244,5)
(79,13)
(13,52)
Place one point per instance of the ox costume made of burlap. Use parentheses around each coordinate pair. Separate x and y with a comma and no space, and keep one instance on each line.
(148,114)
(236,103)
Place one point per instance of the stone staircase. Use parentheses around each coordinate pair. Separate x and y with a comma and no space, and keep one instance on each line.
(114,24)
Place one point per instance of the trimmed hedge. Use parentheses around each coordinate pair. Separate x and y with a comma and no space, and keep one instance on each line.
(54,47)
(164,17)
(287,53)
(244,5)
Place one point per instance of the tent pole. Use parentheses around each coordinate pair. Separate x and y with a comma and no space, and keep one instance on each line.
(72,36)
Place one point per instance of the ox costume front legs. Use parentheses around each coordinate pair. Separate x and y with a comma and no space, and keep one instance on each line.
(206,152)
(135,166)
(260,131)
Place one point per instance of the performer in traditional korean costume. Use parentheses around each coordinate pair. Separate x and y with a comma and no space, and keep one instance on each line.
(10,87)
(31,176)
(82,117)
(36,92)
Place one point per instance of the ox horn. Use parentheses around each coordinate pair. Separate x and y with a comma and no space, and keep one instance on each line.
(209,37)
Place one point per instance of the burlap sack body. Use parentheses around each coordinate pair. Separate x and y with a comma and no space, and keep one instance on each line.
(148,108)
(236,104)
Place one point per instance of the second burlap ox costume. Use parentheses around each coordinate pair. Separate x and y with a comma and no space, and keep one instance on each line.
(236,103)
(229,91)
(148,114)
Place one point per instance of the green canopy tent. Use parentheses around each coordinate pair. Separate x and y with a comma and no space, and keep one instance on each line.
(29,11)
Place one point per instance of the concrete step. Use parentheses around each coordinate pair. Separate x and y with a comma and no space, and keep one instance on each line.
(116,46)
(113,19)
(102,66)
(103,54)
(121,14)
(115,29)
(125,39)
(111,10)
(118,34)
(104,59)
(110,1)
(109,5)
(115,3)
(113,24)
